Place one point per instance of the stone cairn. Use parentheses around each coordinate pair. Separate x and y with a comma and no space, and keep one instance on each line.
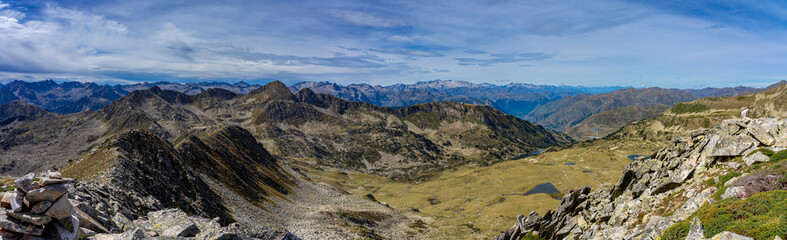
(38,209)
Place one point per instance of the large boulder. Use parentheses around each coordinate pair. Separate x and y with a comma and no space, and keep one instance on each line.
(760,133)
(755,157)
(733,146)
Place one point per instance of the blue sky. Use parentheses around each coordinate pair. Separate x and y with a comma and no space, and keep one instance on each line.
(675,44)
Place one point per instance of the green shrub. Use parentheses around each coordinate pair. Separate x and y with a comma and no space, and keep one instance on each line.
(781,155)
(688,108)
(761,216)
(723,179)
(677,231)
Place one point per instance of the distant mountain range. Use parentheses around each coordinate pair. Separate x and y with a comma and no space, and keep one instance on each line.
(555,107)
(72,97)
(516,99)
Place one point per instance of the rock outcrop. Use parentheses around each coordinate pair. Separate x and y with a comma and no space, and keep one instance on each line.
(39,208)
(176,224)
(655,193)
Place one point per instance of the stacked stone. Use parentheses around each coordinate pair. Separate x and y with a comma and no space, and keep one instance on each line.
(38,209)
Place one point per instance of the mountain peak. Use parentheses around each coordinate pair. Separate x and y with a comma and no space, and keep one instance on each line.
(273,90)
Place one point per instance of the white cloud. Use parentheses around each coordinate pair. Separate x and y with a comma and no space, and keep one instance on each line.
(366,19)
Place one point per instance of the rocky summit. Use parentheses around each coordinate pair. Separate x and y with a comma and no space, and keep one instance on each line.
(39,208)
(656,196)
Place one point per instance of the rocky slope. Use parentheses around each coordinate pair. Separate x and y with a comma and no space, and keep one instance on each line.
(569,111)
(656,193)
(601,124)
(348,135)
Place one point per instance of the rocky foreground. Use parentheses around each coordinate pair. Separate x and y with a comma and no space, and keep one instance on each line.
(42,208)
(656,193)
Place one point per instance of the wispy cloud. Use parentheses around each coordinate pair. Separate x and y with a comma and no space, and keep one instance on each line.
(367,19)
(503,58)
(554,42)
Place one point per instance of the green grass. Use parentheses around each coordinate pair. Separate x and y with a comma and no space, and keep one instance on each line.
(689,108)
(761,216)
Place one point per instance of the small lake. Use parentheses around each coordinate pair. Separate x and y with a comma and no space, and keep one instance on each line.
(634,157)
(547,188)
(538,152)
(570,164)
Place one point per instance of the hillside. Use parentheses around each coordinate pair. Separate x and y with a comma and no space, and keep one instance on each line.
(604,123)
(569,111)
(226,175)
(707,174)
(348,135)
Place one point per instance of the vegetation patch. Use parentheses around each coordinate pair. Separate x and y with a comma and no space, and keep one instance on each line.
(761,216)
(689,108)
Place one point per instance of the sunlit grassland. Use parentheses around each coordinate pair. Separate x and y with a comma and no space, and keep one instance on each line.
(478,202)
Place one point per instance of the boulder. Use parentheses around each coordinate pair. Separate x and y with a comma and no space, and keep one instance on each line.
(6,201)
(760,134)
(31,218)
(755,157)
(732,146)
(60,209)
(54,175)
(65,231)
(25,183)
(50,181)
(695,231)
(172,223)
(46,193)
(41,207)
(14,225)
(17,202)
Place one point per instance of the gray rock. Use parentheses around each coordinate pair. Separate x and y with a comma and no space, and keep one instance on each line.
(46,193)
(734,165)
(50,181)
(135,234)
(25,183)
(695,231)
(55,175)
(172,223)
(731,146)
(14,225)
(745,113)
(755,157)
(63,232)
(9,235)
(730,236)
(32,218)
(85,233)
(760,134)
(17,202)
(6,201)
(41,207)
(61,208)
(122,221)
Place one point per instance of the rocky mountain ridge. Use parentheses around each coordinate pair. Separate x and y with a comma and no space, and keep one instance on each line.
(654,194)
(72,97)
(350,135)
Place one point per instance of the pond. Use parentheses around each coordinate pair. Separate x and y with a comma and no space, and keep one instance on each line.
(538,152)
(634,157)
(547,188)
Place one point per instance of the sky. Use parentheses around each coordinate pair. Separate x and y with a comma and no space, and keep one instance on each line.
(673,44)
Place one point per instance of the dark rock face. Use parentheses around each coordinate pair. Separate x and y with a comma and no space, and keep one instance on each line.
(148,176)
